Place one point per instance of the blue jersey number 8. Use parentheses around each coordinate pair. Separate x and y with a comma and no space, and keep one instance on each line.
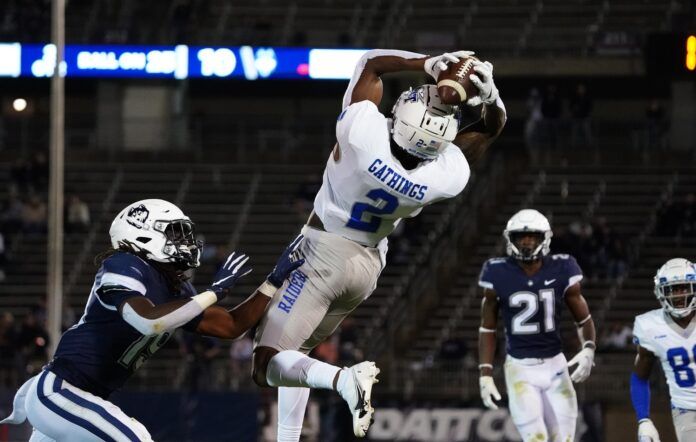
(385,204)
(679,361)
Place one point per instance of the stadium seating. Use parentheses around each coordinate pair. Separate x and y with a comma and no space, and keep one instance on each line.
(493,27)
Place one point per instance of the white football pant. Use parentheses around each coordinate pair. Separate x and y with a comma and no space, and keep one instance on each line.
(684,424)
(543,404)
(61,412)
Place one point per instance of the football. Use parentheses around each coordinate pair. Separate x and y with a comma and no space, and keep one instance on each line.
(454,85)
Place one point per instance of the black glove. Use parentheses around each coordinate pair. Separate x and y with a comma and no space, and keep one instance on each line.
(289,261)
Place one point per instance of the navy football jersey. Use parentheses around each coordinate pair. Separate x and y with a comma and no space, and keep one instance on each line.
(101,351)
(531,305)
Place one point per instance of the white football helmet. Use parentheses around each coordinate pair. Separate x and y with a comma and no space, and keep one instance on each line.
(159,229)
(675,282)
(422,124)
(525,221)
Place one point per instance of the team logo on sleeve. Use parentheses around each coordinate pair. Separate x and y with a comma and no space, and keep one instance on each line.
(137,216)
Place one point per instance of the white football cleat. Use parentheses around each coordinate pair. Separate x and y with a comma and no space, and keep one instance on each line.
(357,392)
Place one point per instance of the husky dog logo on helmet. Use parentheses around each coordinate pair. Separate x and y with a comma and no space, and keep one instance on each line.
(137,216)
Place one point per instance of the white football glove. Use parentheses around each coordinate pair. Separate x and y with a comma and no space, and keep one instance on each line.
(488,93)
(434,65)
(647,431)
(489,392)
(585,361)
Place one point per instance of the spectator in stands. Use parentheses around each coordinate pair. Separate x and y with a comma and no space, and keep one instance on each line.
(656,125)
(39,171)
(11,216)
(551,110)
(33,341)
(20,175)
(580,110)
(240,360)
(199,352)
(616,337)
(77,218)
(8,350)
(34,215)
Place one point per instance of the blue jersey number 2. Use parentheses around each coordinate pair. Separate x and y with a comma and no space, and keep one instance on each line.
(385,204)
(679,361)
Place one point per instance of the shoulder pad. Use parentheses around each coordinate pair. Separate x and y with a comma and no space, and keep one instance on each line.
(126,264)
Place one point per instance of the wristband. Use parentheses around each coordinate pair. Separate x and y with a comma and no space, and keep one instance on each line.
(485,366)
(486,330)
(589,344)
(581,323)
(267,289)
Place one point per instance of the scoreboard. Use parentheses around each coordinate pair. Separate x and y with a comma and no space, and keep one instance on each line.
(179,62)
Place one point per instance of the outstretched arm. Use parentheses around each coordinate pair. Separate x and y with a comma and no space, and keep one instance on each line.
(221,323)
(150,319)
(475,138)
(366,83)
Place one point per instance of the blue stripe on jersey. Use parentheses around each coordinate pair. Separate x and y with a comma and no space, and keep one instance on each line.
(81,422)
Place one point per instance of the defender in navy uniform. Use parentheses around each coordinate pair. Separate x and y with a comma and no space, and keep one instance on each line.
(529,288)
(139,297)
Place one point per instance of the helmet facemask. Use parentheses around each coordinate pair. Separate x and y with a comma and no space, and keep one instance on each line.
(677,297)
(181,244)
(527,245)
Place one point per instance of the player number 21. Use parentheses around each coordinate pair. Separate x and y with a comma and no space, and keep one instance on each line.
(384,204)
(530,306)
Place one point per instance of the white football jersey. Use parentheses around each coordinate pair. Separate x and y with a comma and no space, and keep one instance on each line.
(367,191)
(675,347)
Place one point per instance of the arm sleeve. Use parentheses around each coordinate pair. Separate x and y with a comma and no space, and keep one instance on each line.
(192,325)
(171,321)
(363,61)
(640,396)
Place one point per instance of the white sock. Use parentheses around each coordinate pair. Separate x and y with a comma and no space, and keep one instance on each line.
(291,409)
(291,368)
